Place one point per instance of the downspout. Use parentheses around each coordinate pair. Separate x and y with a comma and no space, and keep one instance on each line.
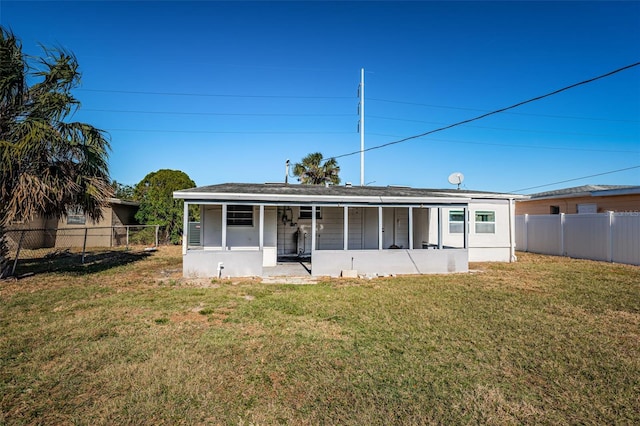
(512,231)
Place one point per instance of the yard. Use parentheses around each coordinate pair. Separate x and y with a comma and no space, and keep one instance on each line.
(545,340)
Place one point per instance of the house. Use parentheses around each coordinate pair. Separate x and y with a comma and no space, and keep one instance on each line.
(69,231)
(582,199)
(246,228)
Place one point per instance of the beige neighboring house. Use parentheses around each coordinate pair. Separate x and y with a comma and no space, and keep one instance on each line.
(69,231)
(582,199)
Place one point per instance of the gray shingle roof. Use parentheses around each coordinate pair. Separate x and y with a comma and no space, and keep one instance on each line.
(576,190)
(335,190)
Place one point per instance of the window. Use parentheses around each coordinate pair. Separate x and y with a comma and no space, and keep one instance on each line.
(239,215)
(305,212)
(456,221)
(588,208)
(76,216)
(485,222)
(554,209)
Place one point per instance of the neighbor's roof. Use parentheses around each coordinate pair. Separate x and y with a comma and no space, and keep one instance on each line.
(588,190)
(281,192)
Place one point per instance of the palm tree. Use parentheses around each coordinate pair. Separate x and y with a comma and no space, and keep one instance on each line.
(312,171)
(47,163)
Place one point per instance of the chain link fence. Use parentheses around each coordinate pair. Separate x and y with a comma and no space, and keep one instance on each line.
(44,246)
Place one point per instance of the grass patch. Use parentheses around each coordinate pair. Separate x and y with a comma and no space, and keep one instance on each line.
(545,340)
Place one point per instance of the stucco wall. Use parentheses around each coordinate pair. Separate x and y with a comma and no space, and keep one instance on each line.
(614,203)
(387,262)
(236,263)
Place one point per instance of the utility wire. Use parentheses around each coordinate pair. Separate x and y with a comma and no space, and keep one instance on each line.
(515,113)
(217,113)
(135,92)
(574,179)
(557,148)
(537,98)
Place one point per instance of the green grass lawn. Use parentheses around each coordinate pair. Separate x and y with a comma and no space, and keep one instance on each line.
(545,340)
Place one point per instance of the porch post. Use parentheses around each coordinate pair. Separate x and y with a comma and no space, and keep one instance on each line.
(440,228)
(224,226)
(185,229)
(345,245)
(410,228)
(465,225)
(313,227)
(261,226)
(379,227)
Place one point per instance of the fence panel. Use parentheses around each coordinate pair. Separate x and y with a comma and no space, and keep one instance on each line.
(544,234)
(34,245)
(521,232)
(625,235)
(611,237)
(586,236)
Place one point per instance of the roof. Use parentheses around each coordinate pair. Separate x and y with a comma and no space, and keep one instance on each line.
(588,190)
(280,192)
(123,202)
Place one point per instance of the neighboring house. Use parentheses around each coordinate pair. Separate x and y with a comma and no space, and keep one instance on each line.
(372,230)
(582,199)
(69,231)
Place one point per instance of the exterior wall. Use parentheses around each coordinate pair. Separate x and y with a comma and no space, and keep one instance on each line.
(35,240)
(614,203)
(483,247)
(72,235)
(238,236)
(236,263)
(389,262)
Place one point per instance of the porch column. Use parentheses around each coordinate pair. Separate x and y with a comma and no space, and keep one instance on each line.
(410,228)
(466,226)
(345,244)
(224,227)
(185,229)
(261,230)
(440,222)
(379,227)
(313,228)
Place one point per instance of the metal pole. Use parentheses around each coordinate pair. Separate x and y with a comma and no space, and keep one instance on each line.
(84,244)
(157,231)
(15,262)
(362,127)
(127,241)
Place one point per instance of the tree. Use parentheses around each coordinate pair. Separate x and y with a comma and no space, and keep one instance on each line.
(312,171)
(48,164)
(122,191)
(157,205)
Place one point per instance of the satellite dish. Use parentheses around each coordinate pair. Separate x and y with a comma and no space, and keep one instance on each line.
(456,178)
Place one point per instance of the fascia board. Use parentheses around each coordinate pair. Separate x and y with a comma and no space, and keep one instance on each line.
(288,198)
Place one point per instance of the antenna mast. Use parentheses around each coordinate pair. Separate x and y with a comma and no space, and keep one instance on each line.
(361,128)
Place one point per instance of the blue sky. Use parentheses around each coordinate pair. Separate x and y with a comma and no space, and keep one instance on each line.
(227,91)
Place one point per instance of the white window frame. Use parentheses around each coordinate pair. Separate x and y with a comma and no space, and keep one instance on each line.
(307,213)
(76,216)
(456,226)
(485,226)
(238,215)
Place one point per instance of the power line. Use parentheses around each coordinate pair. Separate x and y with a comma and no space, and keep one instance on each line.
(499,128)
(580,178)
(514,113)
(557,148)
(258,132)
(216,113)
(136,92)
(537,98)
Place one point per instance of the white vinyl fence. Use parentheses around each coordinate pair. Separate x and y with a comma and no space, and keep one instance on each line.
(612,237)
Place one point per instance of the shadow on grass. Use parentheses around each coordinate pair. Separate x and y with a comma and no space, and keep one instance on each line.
(65,261)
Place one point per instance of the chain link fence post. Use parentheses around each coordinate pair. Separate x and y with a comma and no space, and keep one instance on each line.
(15,261)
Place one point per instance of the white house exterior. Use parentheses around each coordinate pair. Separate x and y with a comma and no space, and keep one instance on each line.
(245,228)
